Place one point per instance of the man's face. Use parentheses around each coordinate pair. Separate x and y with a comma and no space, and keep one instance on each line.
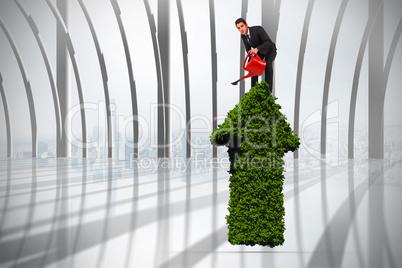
(242,27)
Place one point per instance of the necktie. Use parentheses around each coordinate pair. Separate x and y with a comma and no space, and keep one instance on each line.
(249,40)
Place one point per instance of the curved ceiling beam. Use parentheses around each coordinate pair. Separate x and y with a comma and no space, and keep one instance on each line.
(302,50)
(390,58)
(102,65)
(161,112)
(270,21)
(7,116)
(214,65)
(133,90)
(244,8)
(163,10)
(355,85)
(71,52)
(277,15)
(184,45)
(328,74)
(52,81)
(28,90)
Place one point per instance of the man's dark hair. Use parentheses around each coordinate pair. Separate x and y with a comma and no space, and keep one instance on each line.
(240,20)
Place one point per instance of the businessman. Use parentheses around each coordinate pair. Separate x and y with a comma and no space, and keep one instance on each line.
(257,41)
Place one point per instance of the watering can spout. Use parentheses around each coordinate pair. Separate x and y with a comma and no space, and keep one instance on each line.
(255,67)
(235,82)
(248,75)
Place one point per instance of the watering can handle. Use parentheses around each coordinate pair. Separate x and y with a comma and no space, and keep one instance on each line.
(245,60)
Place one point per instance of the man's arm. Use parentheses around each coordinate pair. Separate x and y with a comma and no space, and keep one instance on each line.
(267,44)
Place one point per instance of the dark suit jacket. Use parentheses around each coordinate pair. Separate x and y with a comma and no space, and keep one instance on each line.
(260,40)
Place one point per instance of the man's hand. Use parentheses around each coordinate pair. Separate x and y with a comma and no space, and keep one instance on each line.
(254,51)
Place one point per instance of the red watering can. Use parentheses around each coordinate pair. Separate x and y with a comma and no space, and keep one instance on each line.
(255,66)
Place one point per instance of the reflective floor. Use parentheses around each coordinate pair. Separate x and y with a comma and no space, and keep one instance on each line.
(105,213)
